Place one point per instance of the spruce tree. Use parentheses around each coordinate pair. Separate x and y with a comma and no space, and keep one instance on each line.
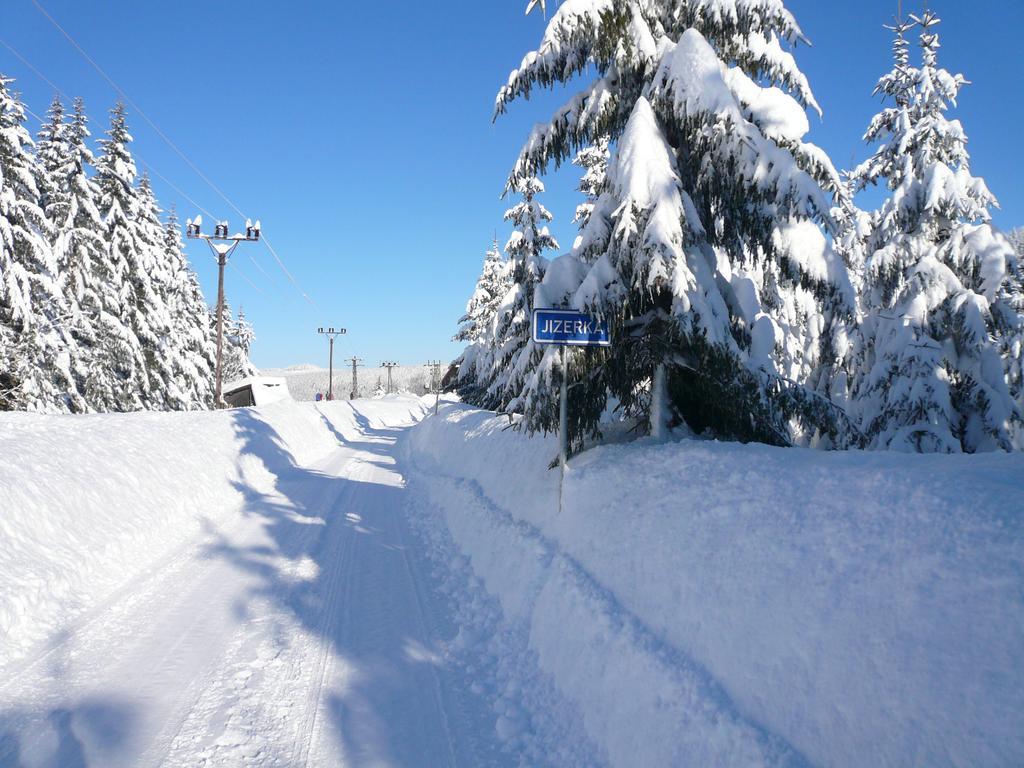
(118,380)
(153,283)
(238,338)
(704,250)
(193,346)
(79,245)
(34,360)
(62,156)
(593,160)
(515,356)
(932,377)
(476,326)
(1016,238)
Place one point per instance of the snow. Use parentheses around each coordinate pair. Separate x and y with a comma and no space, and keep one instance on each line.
(91,502)
(365,583)
(776,113)
(271,610)
(706,603)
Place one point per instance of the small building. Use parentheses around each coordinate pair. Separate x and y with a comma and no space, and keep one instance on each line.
(256,390)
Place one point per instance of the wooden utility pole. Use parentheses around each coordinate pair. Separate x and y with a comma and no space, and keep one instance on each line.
(223,245)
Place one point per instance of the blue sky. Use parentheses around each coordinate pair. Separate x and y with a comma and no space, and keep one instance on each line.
(361,135)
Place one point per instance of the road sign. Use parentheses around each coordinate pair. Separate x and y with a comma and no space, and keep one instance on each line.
(565,327)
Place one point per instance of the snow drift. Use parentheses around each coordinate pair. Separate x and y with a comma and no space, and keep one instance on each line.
(89,503)
(721,604)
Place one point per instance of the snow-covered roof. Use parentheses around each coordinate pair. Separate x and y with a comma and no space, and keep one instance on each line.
(265,389)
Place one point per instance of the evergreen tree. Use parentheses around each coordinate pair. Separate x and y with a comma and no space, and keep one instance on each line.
(704,250)
(593,160)
(34,360)
(476,326)
(153,289)
(238,338)
(932,377)
(194,354)
(118,380)
(503,377)
(62,156)
(1016,238)
(79,245)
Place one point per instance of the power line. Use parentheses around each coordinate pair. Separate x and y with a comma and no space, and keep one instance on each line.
(169,143)
(245,277)
(28,64)
(173,186)
(148,166)
(133,105)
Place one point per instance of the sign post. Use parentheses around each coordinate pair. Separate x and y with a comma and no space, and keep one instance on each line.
(566,328)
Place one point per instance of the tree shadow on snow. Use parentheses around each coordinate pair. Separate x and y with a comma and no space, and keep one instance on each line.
(65,737)
(354,533)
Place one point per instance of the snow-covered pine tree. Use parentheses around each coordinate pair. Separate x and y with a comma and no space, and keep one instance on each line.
(593,160)
(78,243)
(476,326)
(932,378)
(34,360)
(195,350)
(1016,238)
(238,338)
(1009,316)
(59,151)
(244,336)
(117,380)
(704,248)
(515,357)
(53,156)
(153,289)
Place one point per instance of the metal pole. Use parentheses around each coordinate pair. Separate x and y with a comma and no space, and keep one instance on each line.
(435,381)
(658,404)
(563,428)
(330,371)
(222,260)
(389,379)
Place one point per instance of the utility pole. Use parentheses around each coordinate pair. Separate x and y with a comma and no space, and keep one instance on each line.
(223,245)
(332,333)
(435,381)
(389,365)
(356,362)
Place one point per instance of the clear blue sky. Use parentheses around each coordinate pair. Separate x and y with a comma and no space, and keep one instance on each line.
(360,133)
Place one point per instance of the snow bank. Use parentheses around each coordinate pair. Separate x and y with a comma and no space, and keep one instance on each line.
(88,503)
(719,604)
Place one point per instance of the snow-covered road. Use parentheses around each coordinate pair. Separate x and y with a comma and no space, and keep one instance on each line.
(368,584)
(299,631)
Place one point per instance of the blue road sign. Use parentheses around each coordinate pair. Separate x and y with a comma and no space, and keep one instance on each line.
(565,327)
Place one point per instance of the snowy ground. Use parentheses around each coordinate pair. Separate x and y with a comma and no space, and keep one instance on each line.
(365,584)
(304,381)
